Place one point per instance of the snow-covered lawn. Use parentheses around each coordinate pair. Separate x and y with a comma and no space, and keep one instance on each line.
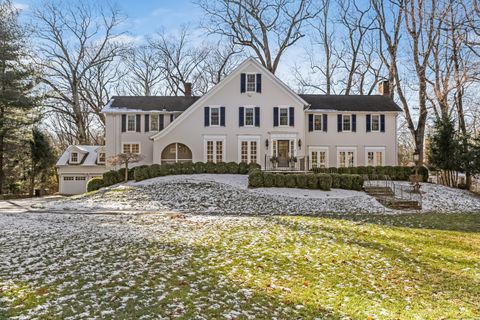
(229,194)
(164,266)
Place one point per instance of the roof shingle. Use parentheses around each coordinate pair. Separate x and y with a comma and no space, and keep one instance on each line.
(350,103)
(152,103)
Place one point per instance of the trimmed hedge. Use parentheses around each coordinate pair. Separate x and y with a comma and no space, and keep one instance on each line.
(398,173)
(95,184)
(322,181)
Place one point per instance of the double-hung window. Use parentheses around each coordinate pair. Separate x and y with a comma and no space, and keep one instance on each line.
(74,157)
(251,82)
(283,115)
(214,116)
(249,116)
(154,122)
(317,122)
(347,122)
(131,122)
(101,157)
(375,122)
(131,148)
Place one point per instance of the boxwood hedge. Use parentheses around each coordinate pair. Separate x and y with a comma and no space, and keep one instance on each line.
(399,173)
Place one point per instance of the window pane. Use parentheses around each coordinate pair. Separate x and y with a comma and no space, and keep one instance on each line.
(135,148)
(131,123)
(101,157)
(317,122)
(346,123)
(209,151)
(323,159)
(154,122)
(379,156)
(350,159)
(249,116)
(244,151)
(314,159)
(251,82)
(219,151)
(283,116)
(214,116)
(126,148)
(74,157)
(375,123)
(253,151)
(370,159)
(342,159)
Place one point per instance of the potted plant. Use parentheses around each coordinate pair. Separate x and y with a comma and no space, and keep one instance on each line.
(274,161)
(292,161)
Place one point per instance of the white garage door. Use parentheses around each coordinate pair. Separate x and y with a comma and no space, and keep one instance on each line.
(73,184)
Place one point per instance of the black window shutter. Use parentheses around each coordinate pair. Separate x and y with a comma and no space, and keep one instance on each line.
(369,123)
(382,123)
(291,114)
(275,116)
(147,123)
(172,117)
(257,116)
(240,116)
(206,116)
(124,122)
(310,122)
(325,122)
(242,82)
(354,123)
(161,122)
(222,116)
(259,82)
(339,123)
(139,125)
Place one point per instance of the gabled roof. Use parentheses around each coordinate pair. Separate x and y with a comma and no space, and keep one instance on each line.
(89,159)
(368,103)
(152,103)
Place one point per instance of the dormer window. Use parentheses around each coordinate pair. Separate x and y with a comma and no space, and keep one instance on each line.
(74,157)
(101,157)
(251,82)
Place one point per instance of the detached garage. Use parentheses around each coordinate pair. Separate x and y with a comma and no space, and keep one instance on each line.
(77,165)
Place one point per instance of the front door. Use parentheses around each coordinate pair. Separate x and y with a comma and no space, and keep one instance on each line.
(283,146)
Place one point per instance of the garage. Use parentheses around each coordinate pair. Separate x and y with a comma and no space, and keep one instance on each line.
(73,184)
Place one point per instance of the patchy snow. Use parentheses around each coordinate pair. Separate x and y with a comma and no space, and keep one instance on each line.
(229,194)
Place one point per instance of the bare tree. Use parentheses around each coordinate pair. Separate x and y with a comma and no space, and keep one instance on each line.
(125,159)
(144,71)
(74,38)
(268,28)
(180,61)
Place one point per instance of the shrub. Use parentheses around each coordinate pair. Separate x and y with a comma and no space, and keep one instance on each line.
(254,166)
(154,170)
(165,170)
(357,182)
(301,180)
(268,180)
(121,173)
(141,173)
(335,180)
(199,167)
(187,168)
(95,184)
(324,181)
(176,168)
(232,167)
(290,181)
(312,181)
(242,168)
(112,177)
(210,167)
(221,167)
(423,171)
(346,181)
(255,179)
(343,170)
(333,170)
(279,180)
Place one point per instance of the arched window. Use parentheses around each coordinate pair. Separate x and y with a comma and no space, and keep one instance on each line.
(176,152)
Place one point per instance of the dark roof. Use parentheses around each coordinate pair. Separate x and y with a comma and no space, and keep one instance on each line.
(169,103)
(350,103)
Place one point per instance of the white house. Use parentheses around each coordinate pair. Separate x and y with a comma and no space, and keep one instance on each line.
(252,116)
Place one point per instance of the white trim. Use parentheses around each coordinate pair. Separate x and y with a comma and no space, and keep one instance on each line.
(351,122)
(78,157)
(318,149)
(210,115)
(379,122)
(130,143)
(98,157)
(232,76)
(214,138)
(347,149)
(321,122)
(246,82)
(375,150)
(245,107)
(248,139)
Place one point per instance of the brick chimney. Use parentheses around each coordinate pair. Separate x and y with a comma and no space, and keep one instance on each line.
(384,88)
(188,89)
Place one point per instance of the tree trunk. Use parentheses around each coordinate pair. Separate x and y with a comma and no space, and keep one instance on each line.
(126,171)
(2,174)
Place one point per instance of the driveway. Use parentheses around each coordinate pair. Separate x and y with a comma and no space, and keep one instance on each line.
(25,205)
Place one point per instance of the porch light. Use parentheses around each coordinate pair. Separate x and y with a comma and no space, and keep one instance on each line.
(300,143)
(266,143)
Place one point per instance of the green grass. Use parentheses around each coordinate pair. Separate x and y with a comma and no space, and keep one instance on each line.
(358,267)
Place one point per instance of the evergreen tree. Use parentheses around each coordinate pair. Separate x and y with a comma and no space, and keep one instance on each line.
(42,157)
(16,102)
